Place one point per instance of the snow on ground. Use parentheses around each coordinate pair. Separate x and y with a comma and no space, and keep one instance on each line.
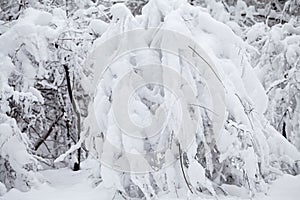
(62,184)
(65,184)
(286,187)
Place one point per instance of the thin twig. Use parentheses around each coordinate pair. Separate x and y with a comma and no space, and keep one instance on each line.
(191,104)
(183,173)
(207,64)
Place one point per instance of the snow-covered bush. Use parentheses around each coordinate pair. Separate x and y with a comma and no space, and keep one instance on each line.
(245,152)
(277,65)
(45,92)
(44,66)
(17,166)
(18,98)
(27,60)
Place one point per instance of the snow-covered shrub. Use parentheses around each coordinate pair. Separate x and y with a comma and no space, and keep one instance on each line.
(43,57)
(245,152)
(18,99)
(30,93)
(17,166)
(26,52)
(277,65)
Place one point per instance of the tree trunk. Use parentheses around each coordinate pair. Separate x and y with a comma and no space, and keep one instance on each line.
(77,114)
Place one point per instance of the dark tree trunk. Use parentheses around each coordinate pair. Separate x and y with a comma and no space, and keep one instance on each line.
(283,130)
(77,114)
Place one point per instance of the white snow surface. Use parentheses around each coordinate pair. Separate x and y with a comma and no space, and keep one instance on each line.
(65,184)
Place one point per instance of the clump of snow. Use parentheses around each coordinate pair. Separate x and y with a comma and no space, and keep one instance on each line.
(37,17)
(97,27)
(120,12)
(2,189)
